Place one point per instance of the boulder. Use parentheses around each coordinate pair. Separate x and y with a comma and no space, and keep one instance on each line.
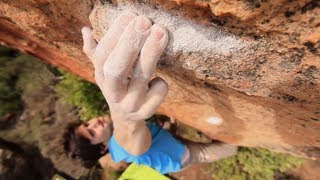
(242,72)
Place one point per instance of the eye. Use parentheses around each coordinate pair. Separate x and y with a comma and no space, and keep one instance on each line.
(86,124)
(91,132)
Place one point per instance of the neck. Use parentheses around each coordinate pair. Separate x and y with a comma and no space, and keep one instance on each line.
(110,126)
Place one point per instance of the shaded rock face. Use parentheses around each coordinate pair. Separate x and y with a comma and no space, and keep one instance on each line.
(243,72)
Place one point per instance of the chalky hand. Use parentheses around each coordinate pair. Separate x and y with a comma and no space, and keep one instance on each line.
(131,48)
(130,39)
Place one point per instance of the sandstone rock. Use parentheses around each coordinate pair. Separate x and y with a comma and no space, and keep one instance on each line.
(243,72)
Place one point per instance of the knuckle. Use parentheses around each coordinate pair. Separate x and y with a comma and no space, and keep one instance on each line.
(140,78)
(131,109)
(110,73)
(110,76)
(113,98)
(131,106)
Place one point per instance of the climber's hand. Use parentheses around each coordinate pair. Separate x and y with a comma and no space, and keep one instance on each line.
(130,40)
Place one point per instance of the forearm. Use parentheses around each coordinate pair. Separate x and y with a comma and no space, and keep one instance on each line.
(134,137)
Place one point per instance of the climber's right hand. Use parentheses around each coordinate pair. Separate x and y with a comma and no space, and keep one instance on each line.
(131,45)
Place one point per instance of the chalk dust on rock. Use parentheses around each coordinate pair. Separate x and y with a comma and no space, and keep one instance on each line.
(185,35)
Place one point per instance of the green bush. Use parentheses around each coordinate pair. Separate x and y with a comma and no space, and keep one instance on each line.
(254,163)
(84,95)
(10,101)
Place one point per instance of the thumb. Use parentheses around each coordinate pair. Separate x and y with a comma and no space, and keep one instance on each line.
(89,44)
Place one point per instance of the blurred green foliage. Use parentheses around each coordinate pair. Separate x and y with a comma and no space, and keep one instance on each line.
(254,163)
(10,63)
(86,96)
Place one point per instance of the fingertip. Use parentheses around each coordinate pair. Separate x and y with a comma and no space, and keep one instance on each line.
(89,43)
(160,84)
(127,15)
(125,18)
(142,24)
(158,32)
(86,30)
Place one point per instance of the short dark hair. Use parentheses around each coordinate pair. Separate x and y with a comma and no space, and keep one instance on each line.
(79,147)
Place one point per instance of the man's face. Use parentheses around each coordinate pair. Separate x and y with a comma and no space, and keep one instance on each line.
(97,130)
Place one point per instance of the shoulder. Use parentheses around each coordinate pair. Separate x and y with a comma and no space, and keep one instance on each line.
(117,153)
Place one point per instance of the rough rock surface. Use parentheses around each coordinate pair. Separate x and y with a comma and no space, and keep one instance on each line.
(244,72)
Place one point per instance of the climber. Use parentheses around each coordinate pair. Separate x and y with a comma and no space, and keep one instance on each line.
(124,61)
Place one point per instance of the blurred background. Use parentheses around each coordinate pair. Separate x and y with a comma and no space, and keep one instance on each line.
(38,100)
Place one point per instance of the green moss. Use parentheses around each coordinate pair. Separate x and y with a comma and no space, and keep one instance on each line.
(190,133)
(84,95)
(254,163)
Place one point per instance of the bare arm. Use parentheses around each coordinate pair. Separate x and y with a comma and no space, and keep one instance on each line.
(128,41)
(135,138)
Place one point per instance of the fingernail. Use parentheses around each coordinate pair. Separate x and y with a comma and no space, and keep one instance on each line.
(141,24)
(157,33)
(127,16)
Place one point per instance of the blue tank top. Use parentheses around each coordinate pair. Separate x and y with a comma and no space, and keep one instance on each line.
(164,154)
